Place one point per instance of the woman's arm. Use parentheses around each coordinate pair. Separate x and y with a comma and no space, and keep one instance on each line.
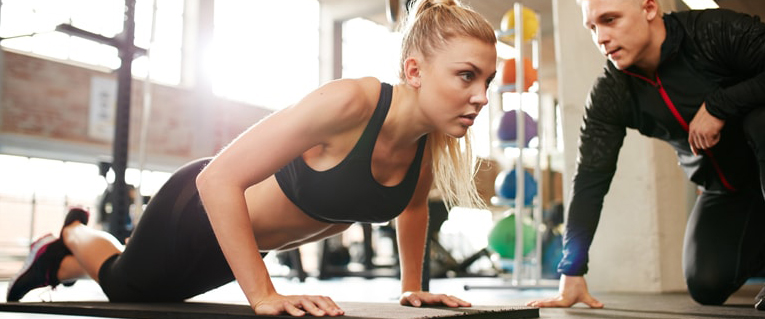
(411,232)
(254,156)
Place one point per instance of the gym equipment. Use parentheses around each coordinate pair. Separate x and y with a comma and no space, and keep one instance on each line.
(294,261)
(126,51)
(552,241)
(392,8)
(508,123)
(552,253)
(440,261)
(505,186)
(502,237)
(199,310)
(124,43)
(138,202)
(335,257)
(530,24)
(520,29)
(529,74)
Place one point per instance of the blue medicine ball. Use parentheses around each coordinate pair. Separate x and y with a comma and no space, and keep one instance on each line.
(505,186)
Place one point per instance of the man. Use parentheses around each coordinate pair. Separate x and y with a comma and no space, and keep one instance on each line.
(696,80)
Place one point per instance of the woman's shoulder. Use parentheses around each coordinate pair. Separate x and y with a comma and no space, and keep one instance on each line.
(355,91)
(350,99)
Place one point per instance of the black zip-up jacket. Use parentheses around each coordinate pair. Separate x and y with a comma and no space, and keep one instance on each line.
(715,57)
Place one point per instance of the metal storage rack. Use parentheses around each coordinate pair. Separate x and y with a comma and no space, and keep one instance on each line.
(527,270)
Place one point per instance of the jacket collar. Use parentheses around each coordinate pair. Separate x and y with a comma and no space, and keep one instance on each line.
(671,44)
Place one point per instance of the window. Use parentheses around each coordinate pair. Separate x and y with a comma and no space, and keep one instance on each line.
(35,194)
(265,52)
(30,26)
(166,50)
(370,49)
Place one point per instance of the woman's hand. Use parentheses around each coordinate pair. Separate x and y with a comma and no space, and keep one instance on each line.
(419,298)
(297,306)
(573,290)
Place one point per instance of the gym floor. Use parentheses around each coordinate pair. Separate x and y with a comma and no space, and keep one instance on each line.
(350,289)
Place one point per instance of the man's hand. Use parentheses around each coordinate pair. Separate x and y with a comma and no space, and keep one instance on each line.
(297,306)
(573,290)
(419,298)
(704,130)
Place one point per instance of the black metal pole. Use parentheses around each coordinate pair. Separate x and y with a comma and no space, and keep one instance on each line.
(118,223)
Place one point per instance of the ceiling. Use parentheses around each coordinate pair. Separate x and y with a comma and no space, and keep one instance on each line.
(493,10)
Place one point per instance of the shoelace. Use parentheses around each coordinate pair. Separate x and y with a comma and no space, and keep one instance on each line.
(48,291)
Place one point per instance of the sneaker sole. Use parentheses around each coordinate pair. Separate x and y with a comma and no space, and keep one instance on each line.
(34,249)
(760,305)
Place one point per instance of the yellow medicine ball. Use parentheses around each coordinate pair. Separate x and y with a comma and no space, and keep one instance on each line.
(530,24)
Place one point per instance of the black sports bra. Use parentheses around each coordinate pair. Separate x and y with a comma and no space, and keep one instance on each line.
(348,192)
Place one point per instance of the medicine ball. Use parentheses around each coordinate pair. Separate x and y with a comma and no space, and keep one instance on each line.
(530,24)
(529,73)
(502,237)
(508,123)
(506,189)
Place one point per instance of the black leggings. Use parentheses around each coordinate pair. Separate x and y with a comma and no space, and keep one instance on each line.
(725,236)
(172,254)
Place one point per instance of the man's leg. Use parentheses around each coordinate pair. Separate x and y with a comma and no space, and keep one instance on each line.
(723,245)
(754,130)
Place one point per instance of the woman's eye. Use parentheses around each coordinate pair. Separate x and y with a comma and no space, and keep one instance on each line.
(467,76)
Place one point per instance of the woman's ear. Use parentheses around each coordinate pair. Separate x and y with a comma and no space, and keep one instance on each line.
(412,71)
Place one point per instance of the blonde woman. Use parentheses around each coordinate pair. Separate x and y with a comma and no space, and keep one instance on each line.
(354,150)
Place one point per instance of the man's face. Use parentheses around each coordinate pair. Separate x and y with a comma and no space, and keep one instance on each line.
(619,29)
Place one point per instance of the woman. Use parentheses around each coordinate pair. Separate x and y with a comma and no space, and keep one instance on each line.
(354,150)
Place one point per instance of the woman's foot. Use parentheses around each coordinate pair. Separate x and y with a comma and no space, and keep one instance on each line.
(40,269)
(75,214)
(45,256)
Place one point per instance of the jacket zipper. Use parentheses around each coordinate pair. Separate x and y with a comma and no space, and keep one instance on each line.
(683,124)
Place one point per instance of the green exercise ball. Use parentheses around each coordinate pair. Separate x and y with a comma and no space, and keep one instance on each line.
(502,237)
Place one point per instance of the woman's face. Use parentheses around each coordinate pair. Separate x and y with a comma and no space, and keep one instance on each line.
(454,81)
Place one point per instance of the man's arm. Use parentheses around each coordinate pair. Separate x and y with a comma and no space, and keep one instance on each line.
(601,137)
(735,44)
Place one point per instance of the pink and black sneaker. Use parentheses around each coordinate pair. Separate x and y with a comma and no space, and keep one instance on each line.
(39,269)
(45,256)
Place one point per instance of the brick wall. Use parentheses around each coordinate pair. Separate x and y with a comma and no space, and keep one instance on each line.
(49,101)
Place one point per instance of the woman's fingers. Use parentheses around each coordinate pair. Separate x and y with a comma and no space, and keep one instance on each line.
(290,309)
(417,299)
(298,306)
(323,304)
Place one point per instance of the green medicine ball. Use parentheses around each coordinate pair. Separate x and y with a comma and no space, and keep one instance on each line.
(502,237)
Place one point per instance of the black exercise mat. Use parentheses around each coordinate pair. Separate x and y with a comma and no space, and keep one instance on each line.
(196,310)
